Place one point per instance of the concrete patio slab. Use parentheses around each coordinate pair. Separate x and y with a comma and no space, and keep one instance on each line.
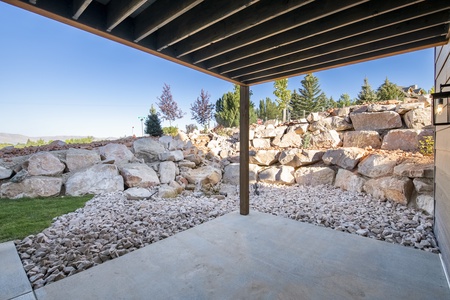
(260,256)
(13,279)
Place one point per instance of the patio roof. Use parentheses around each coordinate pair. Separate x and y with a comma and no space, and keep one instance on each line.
(253,41)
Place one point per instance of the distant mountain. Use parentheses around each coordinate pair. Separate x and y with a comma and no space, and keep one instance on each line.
(11,138)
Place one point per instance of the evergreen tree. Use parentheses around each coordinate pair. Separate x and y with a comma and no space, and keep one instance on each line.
(168,106)
(202,110)
(296,111)
(389,91)
(227,109)
(310,98)
(268,110)
(344,101)
(366,95)
(153,124)
(329,103)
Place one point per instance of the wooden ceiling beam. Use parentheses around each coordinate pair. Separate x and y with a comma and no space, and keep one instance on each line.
(324,47)
(336,57)
(307,42)
(159,14)
(200,17)
(413,46)
(79,7)
(119,10)
(261,12)
(306,14)
(310,30)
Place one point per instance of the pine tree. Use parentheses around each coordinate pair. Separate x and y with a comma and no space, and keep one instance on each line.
(389,91)
(227,109)
(366,95)
(344,101)
(153,124)
(169,108)
(268,110)
(202,110)
(310,98)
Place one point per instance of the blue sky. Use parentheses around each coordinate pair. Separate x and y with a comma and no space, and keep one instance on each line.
(59,80)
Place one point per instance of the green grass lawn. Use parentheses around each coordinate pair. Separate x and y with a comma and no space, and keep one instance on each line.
(22,217)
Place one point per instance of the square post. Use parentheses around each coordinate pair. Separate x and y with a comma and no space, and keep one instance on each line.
(244,155)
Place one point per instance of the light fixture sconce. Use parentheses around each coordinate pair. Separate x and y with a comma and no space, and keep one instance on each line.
(441,101)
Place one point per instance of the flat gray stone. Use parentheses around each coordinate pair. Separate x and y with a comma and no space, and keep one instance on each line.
(13,279)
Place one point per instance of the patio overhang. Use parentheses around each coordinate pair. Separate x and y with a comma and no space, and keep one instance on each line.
(249,42)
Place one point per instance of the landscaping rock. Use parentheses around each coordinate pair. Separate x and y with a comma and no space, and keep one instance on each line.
(346,158)
(362,139)
(426,202)
(314,176)
(167,171)
(418,118)
(403,139)
(117,152)
(349,181)
(380,107)
(32,187)
(338,123)
(376,121)
(327,139)
(139,175)
(376,165)
(282,174)
(97,179)
(166,191)
(204,175)
(413,170)
(261,143)
(20,176)
(44,163)
(406,107)
(423,185)
(77,159)
(148,149)
(264,157)
(397,189)
(5,173)
(290,139)
(137,193)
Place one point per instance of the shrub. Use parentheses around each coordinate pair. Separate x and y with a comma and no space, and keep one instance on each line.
(307,140)
(190,128)
(171,130)
(426,146)
(220,130)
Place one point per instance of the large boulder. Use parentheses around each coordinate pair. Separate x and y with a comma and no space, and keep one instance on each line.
(77,159)
(139,175)
(426,203)
(314,176)
(362,139)
(117,152)
(148,149)
(264,157)
(231,173)
(97,179)
(206,175)
(326,139)
(31,187)
(346,158)
(376,165)
(289,139)
(406,107)
(297,157)
(282,174)
(261,143)
(137,193)
(167,191)
(418,118)
(44,163)
(398,189)
(423,185)
(338,123)
(402,139)
(349,181)
(167,171)
(376,120)
(5,173)
(414,170)
(380,107)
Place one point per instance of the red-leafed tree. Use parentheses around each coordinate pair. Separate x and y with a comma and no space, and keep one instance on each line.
(168,106)
(202,109)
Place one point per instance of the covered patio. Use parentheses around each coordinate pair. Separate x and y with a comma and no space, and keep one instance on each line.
(250,42)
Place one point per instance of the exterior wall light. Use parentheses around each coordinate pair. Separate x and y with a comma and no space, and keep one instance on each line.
(441,101)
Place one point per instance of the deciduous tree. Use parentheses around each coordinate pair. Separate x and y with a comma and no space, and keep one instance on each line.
(283,95)
(227,109)
(168,106)
(202,109)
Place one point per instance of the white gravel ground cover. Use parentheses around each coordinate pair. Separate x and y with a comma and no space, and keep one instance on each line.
(110,226)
